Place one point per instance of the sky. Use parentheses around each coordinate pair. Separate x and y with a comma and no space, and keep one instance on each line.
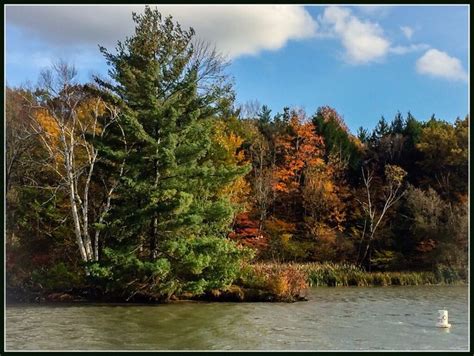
(364,61)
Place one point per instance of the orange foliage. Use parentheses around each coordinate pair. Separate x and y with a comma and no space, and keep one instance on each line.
(286,281)
(299,150)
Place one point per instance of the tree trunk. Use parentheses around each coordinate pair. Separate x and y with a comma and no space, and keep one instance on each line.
(77,225)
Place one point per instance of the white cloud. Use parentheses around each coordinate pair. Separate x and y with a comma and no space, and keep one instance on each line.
(439,64)
(235,30)
(407,31)
(409,49)
(363,41)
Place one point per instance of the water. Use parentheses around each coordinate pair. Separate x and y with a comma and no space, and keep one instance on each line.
(344,318)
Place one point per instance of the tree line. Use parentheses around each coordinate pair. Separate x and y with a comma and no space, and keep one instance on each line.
(154,181)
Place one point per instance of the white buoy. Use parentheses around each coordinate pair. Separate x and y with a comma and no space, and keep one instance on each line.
(443,319)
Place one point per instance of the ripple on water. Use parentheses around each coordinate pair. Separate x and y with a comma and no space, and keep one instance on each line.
(387,318)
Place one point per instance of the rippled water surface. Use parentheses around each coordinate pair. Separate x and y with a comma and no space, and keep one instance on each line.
(391,318)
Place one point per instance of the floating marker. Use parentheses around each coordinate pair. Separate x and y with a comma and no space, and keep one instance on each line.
(443,319)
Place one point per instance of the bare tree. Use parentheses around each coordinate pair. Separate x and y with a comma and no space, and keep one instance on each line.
(263,175)
(392,194)
(78,118)
(250,109)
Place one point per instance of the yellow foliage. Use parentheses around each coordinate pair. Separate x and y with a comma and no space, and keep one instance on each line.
(285,238)
(279,285)
(230,142)
(48,125)
(238,191)
(88,110)
(56,130)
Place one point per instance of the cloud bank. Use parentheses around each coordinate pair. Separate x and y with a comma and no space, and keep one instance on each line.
(235,30)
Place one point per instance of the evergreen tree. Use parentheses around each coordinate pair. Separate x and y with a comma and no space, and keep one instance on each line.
(264,116)
(381,130)
(362,134)
(412,129)
(337,139)
(169,209)
(397,124)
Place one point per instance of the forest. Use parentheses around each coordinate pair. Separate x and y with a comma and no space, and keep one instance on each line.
(153,184)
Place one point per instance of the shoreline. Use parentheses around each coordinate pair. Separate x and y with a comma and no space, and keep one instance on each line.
(268,282)
(68,298)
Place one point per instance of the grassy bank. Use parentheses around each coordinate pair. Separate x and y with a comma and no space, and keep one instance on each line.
(289,281)
(265,282)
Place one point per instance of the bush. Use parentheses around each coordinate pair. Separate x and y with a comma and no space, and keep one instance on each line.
(56,278)
(286,282)
(446,274)
(188,267)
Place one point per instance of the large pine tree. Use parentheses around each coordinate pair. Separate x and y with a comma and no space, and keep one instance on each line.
(170,216)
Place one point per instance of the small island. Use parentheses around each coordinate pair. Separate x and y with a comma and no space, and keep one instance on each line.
(152,185)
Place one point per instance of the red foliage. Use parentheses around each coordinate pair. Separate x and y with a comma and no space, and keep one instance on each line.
(247,232)
(426,245)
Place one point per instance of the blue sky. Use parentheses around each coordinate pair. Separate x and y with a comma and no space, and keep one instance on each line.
(363,61)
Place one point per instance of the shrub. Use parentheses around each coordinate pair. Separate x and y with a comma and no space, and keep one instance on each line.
(446,274)
(190,267)
(56,277)
(285,281)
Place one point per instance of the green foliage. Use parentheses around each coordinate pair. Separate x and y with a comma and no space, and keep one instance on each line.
(446,274)
(123,273)
(444,149)
(171,203)
(192,266)
(284,243)
(337,138)
(57,277)
(397,125)
(206,263)
(381,129)
(387,260)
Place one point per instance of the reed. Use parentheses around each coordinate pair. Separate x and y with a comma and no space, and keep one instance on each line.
(333,275)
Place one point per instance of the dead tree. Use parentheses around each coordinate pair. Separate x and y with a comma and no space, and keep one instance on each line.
(392,193)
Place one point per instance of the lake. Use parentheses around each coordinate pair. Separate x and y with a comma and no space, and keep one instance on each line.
(340,318)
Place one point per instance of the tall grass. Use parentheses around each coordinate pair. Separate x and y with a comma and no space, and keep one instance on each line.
(285,282)
(331,274)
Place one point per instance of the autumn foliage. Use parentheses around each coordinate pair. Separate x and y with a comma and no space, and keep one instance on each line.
(299,150)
